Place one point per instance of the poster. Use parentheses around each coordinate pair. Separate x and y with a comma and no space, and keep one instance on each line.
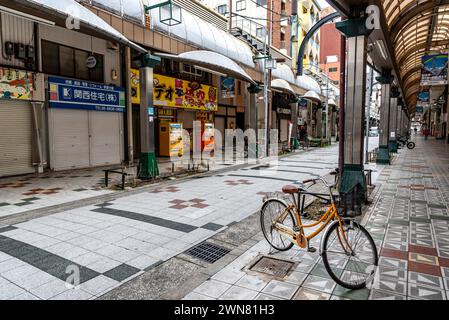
(176,143)
(16,84)
(209,138)
(227,87)
(84,95)
(177,93)
(135,86)
(434,70)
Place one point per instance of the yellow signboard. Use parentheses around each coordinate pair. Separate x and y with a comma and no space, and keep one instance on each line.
(135,86)
(177,93)
(16,84)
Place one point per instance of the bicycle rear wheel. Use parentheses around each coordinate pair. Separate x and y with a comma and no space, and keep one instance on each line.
(271,210)
(352,269)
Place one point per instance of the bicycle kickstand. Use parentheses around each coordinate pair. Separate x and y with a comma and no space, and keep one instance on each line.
(310,249)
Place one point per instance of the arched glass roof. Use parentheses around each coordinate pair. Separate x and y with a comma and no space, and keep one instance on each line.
(417,27)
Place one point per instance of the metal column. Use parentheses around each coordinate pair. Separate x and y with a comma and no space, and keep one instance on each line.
(353,170)
(398,118)
(392,142)
(294,120)
(383,156)
(253,108)
(148,167)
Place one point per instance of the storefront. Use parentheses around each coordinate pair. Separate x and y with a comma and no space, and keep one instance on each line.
(178,103)
(85,123)
(283,116)
(16,122)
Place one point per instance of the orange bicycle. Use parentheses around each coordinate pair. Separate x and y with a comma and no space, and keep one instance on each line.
(348,251)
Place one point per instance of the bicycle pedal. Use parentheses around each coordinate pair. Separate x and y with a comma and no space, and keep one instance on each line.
(311,249)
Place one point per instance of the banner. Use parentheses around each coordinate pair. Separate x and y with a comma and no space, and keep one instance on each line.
(135,86)
(434,70)
(75,94)
(177,93)
(227,87)
(16,84)
(176,143)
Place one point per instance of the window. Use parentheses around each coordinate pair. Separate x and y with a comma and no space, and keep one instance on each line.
(70,62)
(334,69)
(223,9)
(282,36)
(260,33)
(262,3)
(240,5)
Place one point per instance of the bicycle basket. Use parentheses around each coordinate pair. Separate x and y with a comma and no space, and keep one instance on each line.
(350,204)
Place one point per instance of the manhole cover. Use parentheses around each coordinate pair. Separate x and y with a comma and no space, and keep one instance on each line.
(272,266)
(208,252)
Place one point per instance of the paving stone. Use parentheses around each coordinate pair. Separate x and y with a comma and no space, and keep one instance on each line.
(239,293)
(280,289)
(212,288)
(121,272)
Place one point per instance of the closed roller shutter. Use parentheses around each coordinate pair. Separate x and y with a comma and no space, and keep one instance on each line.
(70,139)
(284,130)
(15,138)
(105,138)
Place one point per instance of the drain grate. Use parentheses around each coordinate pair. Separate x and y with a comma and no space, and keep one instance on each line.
(208,252)
(272,266)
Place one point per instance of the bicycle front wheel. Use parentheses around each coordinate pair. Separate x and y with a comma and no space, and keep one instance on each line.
(271,211)
(352,263)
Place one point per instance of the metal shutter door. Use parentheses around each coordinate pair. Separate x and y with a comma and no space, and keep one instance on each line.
(70,136)
(284,130)
(15,138)
(105,138)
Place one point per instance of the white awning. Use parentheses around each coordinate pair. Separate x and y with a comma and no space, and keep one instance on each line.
(212,61)
(331,102)
(283,86)
(313,96)
(308,83)
(87,18)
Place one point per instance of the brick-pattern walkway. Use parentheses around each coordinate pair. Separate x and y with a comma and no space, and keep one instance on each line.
(409,221)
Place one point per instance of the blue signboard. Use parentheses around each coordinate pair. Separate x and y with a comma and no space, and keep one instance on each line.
(78,94)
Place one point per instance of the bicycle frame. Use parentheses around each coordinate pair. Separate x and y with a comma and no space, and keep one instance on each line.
(330,214)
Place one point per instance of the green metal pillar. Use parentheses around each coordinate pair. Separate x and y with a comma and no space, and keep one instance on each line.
(353,178)
(383,156)
(148,167)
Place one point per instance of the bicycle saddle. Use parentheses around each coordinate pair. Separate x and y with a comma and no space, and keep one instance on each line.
(289,189)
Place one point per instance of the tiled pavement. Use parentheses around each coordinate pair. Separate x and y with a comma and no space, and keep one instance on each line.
(112,242)
(409,221)
(24,193)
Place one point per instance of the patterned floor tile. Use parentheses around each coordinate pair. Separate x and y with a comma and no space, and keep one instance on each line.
(326,285)
(425,279)
(424,268)
(425,292)
(385,295)
(309,294)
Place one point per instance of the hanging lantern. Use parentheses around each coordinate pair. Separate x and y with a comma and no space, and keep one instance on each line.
(170,14)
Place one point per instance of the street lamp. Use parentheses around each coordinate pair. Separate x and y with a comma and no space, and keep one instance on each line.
(169,13)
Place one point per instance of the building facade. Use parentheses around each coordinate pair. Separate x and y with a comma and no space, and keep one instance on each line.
(69,97)
(309,13)
(330,48)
